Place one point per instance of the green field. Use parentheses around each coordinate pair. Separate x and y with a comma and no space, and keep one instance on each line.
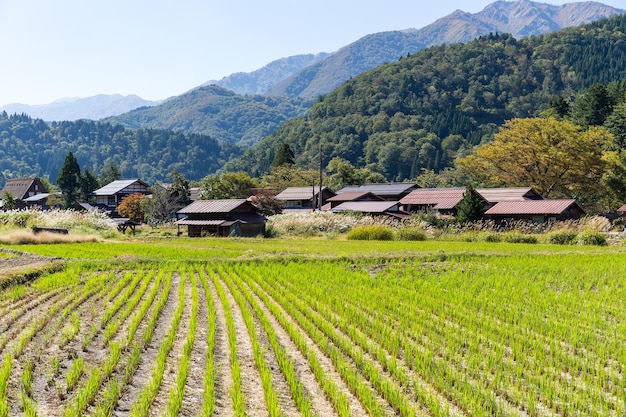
(319,327)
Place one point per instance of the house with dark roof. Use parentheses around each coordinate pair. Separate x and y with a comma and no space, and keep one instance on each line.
(22,189)
(111,195)
(538,211)
(372,208)
(496,195)
(303,198)
(221,218)
(441,200)
(391,191)
(350,196)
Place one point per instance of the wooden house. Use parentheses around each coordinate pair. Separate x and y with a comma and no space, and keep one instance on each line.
(497,195)
(391,191)
(537,211)
(22,189)
(303,198)
(111,195)
(221,218)
(350,196)
(442,201)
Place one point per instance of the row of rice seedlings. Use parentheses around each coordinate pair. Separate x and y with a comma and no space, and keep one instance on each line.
(5,373)
(357,383)
(271,398)
(208,396)
(236,392)
(113,326)
(111,395)
(26,394)
(112,309)
(176,394)
(333,393)
(389,389)
(146,397)
(286,365)
(74,373)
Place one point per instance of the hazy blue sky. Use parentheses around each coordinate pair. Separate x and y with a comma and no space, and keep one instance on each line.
(52,49)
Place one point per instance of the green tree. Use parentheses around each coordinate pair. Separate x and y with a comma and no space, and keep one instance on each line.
(110,172)
(88,184)
(179,190)
(226,186)
(592,106)
(284,156)
(69,180)
(9,202)
(472,207)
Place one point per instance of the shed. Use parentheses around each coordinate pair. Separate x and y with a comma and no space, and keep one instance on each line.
(221,218)
(538,211)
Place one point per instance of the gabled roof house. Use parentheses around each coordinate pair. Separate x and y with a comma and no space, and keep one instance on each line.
(373,208)
(303,198)
(110,196)
(538,211)
(390,191)
(221,218)
(441,200)
(22,189)
(351,196)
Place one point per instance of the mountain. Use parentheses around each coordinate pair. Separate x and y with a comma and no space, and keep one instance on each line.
(423,111)
(219,113)
(93,108)
(520,18)
(263,79)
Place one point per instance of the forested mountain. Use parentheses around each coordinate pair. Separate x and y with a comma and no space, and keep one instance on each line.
(32,147)
(93,108)
(424,110)
(263,79)
(520,18)
(220,113)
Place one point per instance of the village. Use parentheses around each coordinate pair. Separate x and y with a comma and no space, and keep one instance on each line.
(242,217)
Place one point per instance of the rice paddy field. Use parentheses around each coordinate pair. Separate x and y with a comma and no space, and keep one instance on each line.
(254,327)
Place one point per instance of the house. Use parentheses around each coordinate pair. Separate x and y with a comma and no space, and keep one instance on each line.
(350,196)
(110,196)
(221,218)
(537,211)
(392,191)
(42,200)
(303,198)
(373,208)
(21,189)
(496,195)
(441,200)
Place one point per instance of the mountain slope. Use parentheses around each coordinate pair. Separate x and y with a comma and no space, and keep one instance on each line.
(424,110)
(93,108)
(520,18)
(263,79)
(220,113)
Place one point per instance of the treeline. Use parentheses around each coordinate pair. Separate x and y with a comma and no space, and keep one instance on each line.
(427,109)
(32,147)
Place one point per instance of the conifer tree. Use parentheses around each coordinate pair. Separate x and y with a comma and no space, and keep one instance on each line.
(69,180)
(471,208)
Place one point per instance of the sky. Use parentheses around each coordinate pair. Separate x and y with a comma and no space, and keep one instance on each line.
(157,49)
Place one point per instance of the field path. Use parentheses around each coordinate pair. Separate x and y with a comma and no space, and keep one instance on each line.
(223,377)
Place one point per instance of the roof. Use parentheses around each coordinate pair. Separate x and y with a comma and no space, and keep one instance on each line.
(186,222)
(300,193)
(366,206)
(36,197)
(530,207)
(18,187)
(213,206)
(392,188)
(438,198)
(622,209)
(495,195)
(116,186)
(354,196)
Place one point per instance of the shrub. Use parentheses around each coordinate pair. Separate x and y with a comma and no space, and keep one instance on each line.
(516,237)
(560,237)
(590,237)
(373,232)
(411,233)
(492,237)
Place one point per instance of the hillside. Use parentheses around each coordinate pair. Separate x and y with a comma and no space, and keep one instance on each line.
(220,113)
(424,110)
(520,18)
(32,147)
(93,108)
(263,79)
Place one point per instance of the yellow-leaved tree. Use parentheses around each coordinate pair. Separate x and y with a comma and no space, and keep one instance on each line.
(555,157)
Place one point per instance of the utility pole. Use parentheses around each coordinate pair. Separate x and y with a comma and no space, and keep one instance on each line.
(319,199)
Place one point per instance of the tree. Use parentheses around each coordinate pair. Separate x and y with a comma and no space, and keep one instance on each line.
(179,190)
(556,158)
(88,183)
(131,206)
(592,106)
(9,202)
(284,156)
(110,172)
(472,207)
(69,180)
(226,186)
(162,206)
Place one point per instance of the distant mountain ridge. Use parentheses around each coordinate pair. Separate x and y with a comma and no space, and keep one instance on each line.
(520,18)
(70,109)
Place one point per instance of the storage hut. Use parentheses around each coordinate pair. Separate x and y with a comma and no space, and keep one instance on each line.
(221,218)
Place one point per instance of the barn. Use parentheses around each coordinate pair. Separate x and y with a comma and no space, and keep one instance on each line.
(221,218)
